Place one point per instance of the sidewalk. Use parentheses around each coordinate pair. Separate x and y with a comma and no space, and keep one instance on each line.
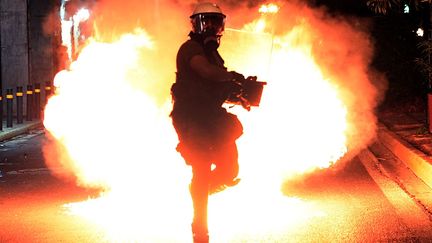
(18,129)
(406,136)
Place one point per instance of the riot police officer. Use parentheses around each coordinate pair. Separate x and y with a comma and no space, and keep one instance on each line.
(207,132)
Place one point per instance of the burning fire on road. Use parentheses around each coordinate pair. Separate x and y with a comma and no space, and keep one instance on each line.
(111,130)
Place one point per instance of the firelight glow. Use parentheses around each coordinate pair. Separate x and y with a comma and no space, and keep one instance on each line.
(111,133)
(269,8)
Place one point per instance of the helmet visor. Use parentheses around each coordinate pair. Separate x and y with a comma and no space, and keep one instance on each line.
(213,24)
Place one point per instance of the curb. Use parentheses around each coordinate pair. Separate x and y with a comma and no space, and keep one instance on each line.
(415,207)
(413,158)
(13,132)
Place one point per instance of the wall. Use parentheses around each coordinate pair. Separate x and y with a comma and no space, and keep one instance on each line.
(14,45)
(44,36)
(30,35)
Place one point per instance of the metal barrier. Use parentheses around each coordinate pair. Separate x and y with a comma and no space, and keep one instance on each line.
(29,113)
(9,107)
(1,109)
(20,105)
(48,90)
(37,97)
(34,104)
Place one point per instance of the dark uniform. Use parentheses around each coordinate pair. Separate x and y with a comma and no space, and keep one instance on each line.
(206,131)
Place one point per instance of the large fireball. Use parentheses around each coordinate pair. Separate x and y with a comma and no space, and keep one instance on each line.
(109,120)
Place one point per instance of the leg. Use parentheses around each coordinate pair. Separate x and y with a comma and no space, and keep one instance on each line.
(225,159)
(194,148)
(199,191)
(199,188)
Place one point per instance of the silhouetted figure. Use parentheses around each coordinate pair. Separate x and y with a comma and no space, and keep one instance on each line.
(206,131)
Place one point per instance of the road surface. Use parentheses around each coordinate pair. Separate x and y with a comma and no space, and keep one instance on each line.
(358,203)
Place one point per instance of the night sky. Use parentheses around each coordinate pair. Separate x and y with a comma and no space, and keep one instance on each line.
(345,7)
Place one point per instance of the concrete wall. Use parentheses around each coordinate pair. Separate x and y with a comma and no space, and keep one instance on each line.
(30,35)
(44,39)
(14,43)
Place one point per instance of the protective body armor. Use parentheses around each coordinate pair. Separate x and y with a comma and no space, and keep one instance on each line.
(198,115)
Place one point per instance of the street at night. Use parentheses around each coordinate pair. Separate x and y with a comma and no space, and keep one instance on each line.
(356,204)
(226,121)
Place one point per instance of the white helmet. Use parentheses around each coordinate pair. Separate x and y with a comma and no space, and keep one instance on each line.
(207,18)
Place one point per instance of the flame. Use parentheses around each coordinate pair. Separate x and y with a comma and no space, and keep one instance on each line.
(111,130)
(82,15)
(119,138)
(269,8)
(260,25)
(70,41)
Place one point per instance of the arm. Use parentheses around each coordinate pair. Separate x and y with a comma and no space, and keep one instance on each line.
(200,64)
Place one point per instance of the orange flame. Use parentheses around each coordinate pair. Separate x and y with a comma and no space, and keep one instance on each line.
(269,8)
(110,115)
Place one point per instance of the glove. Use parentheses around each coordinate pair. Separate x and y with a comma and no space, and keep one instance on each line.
(237,77)
(235,88)
(252,78)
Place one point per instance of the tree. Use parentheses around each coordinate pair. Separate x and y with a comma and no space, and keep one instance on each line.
(424,47)
(397,52)
(385,6)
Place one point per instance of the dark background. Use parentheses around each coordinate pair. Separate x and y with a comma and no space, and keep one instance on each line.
(397,50)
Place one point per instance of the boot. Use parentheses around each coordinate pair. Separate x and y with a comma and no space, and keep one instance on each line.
(204,238)
(218,188)
(200,234)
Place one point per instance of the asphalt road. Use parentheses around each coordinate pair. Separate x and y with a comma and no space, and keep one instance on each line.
(358,203)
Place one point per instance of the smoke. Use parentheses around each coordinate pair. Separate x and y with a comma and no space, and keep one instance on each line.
(141,143)
(343,48)
(340,45)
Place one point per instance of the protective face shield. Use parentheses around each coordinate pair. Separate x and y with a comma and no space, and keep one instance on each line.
(208,20)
